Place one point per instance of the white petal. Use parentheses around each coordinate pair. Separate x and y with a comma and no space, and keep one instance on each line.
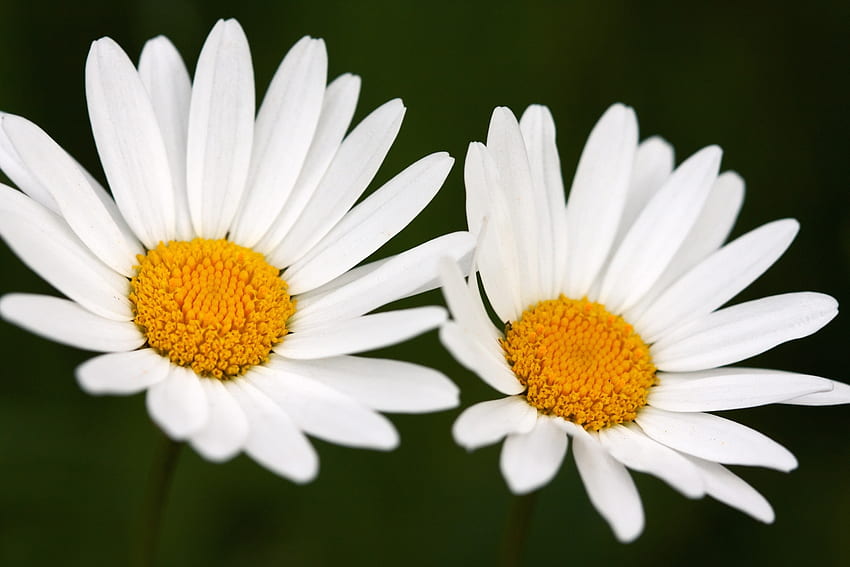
(347,176)
(638,452)
(707,235)
(488,422)
(48,246)
(122,372)
(839,394)
(485,361)
(21,176)
(78,204)
(538,131)
(530,460)
(371,286)
(178,404)
(652,166)
(167,81)
(723,485)
(370,224)
(221,127)
(383,385)
(741,331)
(658,231)
(337,110)
(731,388)
(498,257)
(274,441)
(714,438)
(226,430)
(466,309)
(360,334)
(717,279)
(66,322)
(598,195)
(323,411)
(286,123)
(609,487)
(129,143)
(527,203)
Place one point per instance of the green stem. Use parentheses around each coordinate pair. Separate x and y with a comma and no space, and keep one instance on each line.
(517,529)
(159,481)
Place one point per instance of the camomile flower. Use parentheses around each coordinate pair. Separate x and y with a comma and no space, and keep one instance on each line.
(220,275)
(615,335)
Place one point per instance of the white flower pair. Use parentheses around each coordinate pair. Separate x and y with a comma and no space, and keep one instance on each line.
(222,276)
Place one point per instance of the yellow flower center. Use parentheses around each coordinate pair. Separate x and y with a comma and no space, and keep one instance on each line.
(580,362)
(210,305)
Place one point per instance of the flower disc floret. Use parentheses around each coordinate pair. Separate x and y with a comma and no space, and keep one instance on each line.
(580,362)
(210,305)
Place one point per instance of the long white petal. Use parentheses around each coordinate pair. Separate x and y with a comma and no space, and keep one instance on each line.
(723,485)
(498,256)
(652,166)
(381,384)
(609,486)
(659,230)
(467,311)
(538,131)
(226,430)
(530,460)
(122,372)
(741,331)
(221,128)
(360,334)
(347,176)
(274,441)
(370,224)
(839,394)
(286,123)
(178,404)
(707,235)
(337,110)
(527,203)
(66,322)
(731,388)
(78,204)
(717,279)
(368,287)
(486,362)
(324,412)
(170,89)
(19,173)
(46,244)
(715,439)
(488,422)
(598,195)
(631,447)
(130,143)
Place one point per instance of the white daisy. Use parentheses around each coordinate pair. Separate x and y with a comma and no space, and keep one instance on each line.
(614,335)
(219,279)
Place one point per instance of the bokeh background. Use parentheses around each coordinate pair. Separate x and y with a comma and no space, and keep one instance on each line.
(767,83)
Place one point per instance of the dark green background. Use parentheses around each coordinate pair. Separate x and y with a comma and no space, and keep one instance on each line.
(767,84)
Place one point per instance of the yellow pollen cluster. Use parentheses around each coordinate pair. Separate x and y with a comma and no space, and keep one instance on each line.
(580,362)
(210,305)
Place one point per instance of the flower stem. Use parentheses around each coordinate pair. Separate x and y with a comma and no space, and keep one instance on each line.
(159,481)
(517,529)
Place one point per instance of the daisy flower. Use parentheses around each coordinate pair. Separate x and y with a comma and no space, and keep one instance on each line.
(218,276)
(614,332)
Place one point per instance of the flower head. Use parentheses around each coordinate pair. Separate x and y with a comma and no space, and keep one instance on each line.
(615,334)
(217,276)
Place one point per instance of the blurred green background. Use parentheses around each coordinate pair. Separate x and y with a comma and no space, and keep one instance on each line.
(768,84)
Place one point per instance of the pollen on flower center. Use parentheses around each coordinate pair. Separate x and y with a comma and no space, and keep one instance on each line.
(210,305)
(580,362)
